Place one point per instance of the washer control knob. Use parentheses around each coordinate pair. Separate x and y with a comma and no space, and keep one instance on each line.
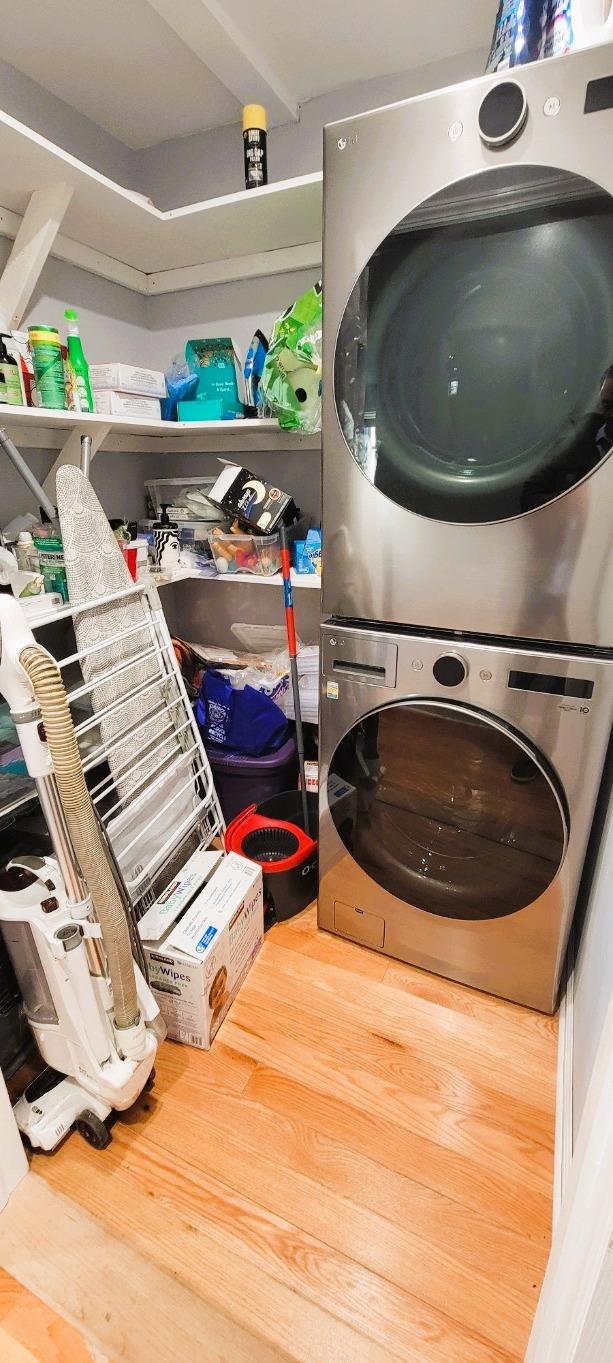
(502,114)
(450,670)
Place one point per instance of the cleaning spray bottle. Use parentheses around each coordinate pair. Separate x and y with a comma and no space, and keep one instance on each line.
(79,396)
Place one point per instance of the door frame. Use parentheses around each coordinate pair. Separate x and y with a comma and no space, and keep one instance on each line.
(574,1316)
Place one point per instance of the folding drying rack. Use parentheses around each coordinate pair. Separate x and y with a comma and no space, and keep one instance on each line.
(170,784)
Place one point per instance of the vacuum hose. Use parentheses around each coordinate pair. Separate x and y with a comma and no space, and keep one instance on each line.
(50,694)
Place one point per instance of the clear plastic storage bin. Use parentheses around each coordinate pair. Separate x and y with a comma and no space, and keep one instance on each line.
(186,498)
(257,554)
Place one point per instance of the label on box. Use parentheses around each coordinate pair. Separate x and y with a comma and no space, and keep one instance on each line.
(128,378)
(311,776)
(199,926)
(111,403)
(178,894)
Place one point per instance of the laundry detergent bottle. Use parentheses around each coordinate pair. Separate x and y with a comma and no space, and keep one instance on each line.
(526,30)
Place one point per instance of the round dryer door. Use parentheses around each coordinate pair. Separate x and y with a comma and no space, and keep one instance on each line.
(448,810)
(474,361)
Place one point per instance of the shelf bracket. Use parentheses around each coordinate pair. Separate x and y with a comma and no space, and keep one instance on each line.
(39,227)
(70,453)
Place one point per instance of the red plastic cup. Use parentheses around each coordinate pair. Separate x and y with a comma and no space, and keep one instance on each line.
(130,552)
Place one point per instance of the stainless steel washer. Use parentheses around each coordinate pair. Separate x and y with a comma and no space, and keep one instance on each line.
(458,784)
(468,366)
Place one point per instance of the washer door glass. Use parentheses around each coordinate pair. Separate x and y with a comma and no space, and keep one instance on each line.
(447,810)
(474,361)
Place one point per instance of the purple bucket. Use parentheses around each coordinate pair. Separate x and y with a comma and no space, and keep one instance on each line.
(242,781)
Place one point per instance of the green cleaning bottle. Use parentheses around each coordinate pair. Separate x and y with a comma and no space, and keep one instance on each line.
(79,391)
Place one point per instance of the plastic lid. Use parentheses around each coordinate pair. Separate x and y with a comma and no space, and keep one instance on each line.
(254,116)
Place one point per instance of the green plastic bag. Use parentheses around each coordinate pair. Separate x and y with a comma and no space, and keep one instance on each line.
(291,382)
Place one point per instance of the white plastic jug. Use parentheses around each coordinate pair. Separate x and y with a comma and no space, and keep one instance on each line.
(527,30)
(592,22)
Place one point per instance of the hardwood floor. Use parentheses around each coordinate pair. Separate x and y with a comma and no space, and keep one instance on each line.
(31,1332)
(359,1170)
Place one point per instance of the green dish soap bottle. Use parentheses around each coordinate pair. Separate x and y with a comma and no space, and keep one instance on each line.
(79,394)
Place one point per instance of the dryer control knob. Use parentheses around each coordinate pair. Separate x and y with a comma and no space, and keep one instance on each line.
(450,670)
(502,114)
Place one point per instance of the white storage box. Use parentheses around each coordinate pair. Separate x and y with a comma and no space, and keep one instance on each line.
(128,378)
(198,961)
(125,404)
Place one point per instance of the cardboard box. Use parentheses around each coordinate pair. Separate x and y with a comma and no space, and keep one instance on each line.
(128,378)
(126,404)
(261,506)
(200,959)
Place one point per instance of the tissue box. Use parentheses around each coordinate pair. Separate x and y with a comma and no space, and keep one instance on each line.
(261,506)
(125,404)
(203,951)
(128,378)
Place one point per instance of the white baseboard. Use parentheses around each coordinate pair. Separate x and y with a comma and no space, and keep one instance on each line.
(563,1148)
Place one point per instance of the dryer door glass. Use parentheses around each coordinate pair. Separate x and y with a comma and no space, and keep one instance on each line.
(474,362)
(447,810)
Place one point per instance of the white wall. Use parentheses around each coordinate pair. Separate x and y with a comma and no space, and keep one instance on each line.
(28,102)
(113,326)
(593,986)
(188,169)
(222,310)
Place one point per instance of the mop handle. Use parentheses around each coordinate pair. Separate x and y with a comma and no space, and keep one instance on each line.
(286,571)
(26,473)
(292,650)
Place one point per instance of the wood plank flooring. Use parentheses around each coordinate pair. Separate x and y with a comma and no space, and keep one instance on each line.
(30,1332)
(360,1169)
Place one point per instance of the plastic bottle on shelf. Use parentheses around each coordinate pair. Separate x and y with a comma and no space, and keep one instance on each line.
(25,551)
(78,387)
(46,352)
(11,392)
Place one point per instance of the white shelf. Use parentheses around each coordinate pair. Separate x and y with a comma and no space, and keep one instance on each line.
(37,428)
(308,580)
(120,234)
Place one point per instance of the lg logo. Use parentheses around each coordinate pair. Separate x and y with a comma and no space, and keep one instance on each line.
(344,142)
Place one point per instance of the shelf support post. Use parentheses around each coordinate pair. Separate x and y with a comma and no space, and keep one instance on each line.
(71,453)
(39,227)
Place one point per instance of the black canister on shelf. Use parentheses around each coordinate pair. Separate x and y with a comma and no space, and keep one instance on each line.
(254,146)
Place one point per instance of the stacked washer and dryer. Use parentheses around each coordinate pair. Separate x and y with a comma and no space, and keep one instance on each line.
(467,654)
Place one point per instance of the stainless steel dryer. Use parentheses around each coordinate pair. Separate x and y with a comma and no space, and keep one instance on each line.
(457,793)
(468,395)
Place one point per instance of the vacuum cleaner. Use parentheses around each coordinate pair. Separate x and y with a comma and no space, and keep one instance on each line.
(280,834)
(64,923)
